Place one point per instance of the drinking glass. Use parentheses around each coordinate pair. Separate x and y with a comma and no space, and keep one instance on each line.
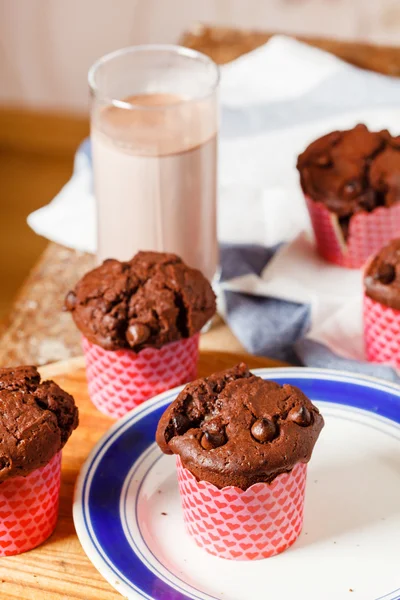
(154,126)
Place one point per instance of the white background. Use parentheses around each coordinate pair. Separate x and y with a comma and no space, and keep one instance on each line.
(47,46)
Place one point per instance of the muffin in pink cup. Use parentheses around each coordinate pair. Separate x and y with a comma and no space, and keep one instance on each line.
(242,445)
(382,306)
(140,322)
(351,182)
(37,418)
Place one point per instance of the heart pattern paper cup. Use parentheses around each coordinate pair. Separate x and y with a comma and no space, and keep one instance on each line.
(29,508)
(368,233)
(120,380)
(381,332)
(257,523)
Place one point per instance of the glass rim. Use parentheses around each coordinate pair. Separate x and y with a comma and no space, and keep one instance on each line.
(141,48)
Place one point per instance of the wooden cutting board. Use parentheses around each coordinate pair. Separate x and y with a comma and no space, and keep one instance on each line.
(59,569)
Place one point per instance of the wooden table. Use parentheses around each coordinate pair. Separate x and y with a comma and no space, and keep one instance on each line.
(37,331)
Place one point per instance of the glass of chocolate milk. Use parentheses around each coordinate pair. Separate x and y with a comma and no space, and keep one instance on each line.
(154,123)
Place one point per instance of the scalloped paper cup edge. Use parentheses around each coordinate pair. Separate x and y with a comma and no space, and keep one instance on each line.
(120,380)
(29,508)
(251,524)
(368,233)
(381,332)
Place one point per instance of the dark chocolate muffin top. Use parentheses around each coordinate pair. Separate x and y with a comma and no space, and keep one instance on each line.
(36,420)
(149,301)
(352,171)
(234,428)
(382,276)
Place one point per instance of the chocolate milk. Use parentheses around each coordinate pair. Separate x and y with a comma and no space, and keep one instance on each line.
(155,179)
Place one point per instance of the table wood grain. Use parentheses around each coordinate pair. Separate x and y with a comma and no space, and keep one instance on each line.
(59,569)
(37,331)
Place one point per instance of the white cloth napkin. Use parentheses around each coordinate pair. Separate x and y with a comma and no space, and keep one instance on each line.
(274,101)
(297,274)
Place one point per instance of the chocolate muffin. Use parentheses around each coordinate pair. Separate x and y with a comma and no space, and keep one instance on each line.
(37,418)
(352,171)
(236,429)
(149,301)
(382,276)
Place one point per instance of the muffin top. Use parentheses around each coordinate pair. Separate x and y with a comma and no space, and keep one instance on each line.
(352,171)
(152,300)
(236,429)
(36,420)
(382,276)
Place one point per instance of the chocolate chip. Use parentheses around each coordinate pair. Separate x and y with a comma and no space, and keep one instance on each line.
(386,273)
(70,301)
(264,430)
(323,160)
(352,188)
(211,440)
(180,423)
(137,334)
(300,415)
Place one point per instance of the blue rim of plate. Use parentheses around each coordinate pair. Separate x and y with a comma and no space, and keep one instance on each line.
(100,482)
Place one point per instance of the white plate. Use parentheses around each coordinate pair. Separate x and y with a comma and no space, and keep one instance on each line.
(128,516)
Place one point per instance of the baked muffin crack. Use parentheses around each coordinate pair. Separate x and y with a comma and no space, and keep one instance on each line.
(351,171)
(234,428)
(149,301)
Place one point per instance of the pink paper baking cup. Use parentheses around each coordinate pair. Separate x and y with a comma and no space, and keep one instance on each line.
(381,332)
(259,522)
(120,380)
(368,233)
(29,508)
